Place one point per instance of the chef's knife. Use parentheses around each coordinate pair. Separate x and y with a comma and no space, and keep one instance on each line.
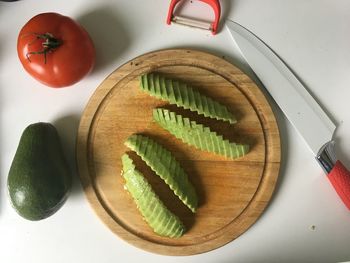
(297,104)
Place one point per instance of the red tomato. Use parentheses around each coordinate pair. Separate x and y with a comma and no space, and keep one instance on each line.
(55,50)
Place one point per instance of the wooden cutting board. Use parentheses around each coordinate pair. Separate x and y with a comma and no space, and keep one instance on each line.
(232,193)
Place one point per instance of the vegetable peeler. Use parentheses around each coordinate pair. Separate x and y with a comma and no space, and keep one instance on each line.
(213,27)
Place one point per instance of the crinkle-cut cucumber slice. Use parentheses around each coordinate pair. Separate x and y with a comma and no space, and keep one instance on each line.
(179,93)
(163,163)
(197,135)
(156,214)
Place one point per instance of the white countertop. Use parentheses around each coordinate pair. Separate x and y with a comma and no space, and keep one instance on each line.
(313,39)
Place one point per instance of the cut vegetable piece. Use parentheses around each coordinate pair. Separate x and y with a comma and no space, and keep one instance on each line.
(159,218)
(197,135)
(162,162)
(179,93)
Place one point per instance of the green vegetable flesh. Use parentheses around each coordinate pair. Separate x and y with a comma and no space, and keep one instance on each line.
(182,95)
(162,162)
(160,219)
(197,135)
(39,177)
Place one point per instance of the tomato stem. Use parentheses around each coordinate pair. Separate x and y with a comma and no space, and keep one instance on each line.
(49,45)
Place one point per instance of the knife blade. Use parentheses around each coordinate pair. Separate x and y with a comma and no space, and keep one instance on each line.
(300,108)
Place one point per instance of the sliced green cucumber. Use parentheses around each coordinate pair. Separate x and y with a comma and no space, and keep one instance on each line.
(162,162)
(197,135)
(182,95)
(159,218)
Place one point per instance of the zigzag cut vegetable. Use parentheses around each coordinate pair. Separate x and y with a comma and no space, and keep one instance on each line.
(197,135)
(182,95)
(159,218)
(162,162)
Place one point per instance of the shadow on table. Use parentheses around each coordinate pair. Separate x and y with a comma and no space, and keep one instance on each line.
(67,128)
(3,177)
(108,33)
(226,6)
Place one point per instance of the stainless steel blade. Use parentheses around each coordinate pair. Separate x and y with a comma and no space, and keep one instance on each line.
(295,101)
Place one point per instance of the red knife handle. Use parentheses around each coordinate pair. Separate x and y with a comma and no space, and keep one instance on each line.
(340,179)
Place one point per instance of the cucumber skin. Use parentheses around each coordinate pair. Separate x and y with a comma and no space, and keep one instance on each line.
(159,218)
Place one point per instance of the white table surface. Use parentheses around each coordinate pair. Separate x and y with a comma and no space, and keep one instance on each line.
(312,37)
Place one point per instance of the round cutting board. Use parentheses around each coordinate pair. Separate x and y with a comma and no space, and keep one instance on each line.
(232,193)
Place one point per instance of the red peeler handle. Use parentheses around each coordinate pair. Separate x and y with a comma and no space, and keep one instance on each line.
(340,179)
(215,4)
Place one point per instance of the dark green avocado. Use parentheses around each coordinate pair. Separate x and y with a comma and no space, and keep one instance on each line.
(39,179)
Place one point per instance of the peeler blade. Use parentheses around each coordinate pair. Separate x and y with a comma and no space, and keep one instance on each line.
(192,22)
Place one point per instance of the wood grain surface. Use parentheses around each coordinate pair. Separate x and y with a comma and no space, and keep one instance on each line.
(232,193)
